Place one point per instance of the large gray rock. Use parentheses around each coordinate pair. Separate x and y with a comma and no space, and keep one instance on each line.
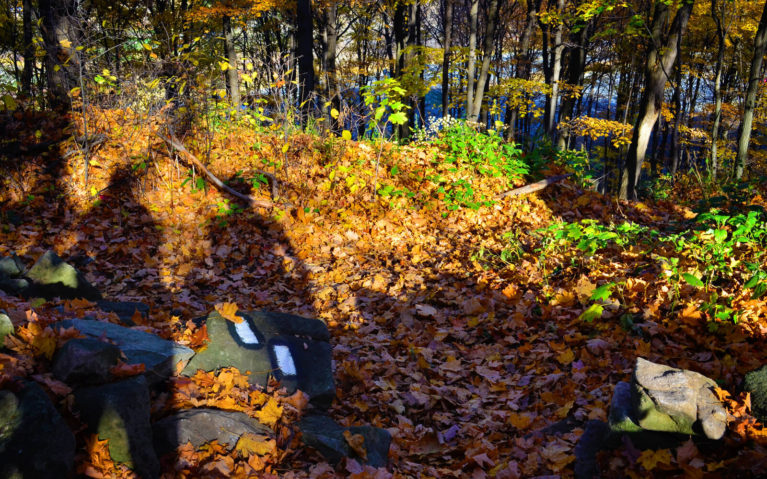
(119,413)
(11,266)
(35,442)
(160,356)
(292,349)
(327,436)
(52,277)
(676,400)
(755,383)
(200,426)
(6,328)
(85,361)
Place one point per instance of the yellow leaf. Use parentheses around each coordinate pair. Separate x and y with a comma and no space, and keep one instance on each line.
(270,413)
(520,421)
(346,135)
(65,44)
(357,443)
(250,444)
(228,311)
(224,66)
(334,113)
(285,148)
(566,357)
(649,458)
(147,47)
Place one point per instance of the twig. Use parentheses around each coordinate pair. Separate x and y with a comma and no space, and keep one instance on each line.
(523,190)
(175,143)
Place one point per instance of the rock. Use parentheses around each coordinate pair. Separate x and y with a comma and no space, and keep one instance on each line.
(6,328)
(589,444)
(52,277)
(119,413)
(292,349)
(35,441)
(755,383)
(621,416)
(325,435)
(200,426)
(11,266)
(124,310)
(14,286)
(160,356)
(85,361)
(676,400)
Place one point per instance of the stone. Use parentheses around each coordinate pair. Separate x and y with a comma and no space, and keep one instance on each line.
(85,361)
(14,286)
(621,415)
(675,400)
(589,444)
(159,355)
(52,277)
(200,426)
(124,310)
(292,349)
(755,383)
(119,413)
(6,328)
(11,266)
(35,441)
(324,434)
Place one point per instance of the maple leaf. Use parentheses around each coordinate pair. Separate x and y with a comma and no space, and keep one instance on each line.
(270,413)
(250,443)
(357,443)
(228,311)
(649,458)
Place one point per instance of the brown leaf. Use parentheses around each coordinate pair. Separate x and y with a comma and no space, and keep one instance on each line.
(357,443)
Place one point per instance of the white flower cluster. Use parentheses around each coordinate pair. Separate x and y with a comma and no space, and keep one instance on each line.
(436,125)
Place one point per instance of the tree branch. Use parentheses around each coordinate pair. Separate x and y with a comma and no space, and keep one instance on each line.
(532,187)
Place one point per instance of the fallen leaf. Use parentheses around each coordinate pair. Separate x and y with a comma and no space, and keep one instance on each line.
(357,443)
(228,311)
(250,443)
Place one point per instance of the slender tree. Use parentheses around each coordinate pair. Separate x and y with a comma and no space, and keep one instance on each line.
(446,44)
(760,45)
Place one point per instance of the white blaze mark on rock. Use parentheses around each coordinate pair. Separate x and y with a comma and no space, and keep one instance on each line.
(245,333)
(284,360)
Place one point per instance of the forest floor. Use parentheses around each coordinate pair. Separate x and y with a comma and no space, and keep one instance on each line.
(474,336)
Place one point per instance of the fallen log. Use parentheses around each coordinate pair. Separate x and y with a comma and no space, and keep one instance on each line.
(532,187)
(175,143)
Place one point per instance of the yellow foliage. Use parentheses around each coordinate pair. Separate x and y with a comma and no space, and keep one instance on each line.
(596,128)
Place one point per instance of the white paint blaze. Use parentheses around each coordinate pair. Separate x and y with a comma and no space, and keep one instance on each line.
(284,360)
(245,333)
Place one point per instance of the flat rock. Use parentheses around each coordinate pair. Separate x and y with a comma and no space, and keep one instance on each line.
(159,355)
(35,441)
(52,277)
(6,328)
(119,413)
(324,434)
(85,361)
(124,310)
(676,400)
(755,383)
(200,426)
(292,349)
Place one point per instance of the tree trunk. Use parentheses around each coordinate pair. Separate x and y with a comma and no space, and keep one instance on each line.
(446,58)
(575,69)
(554,69)
(329,61)
(304,51)
(524,63)
(61,60)
(29,48)
(492,20)
(471,70)
(760,45)
(661,56)
(720,35)
(232,76)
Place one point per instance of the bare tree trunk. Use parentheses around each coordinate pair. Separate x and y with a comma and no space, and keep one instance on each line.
(524,63)
(492,20)
(471,70)
(59,31)
(232,75)
(29,49)
(575,69)
(660,58)
(329,62)
(304,50)
(554,70)
(446,58)
(760,45)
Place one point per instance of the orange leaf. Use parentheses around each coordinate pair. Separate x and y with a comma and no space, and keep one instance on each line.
(250,444)
(520,421)
(649,458)
(357,443)
(228,311)
(123,370)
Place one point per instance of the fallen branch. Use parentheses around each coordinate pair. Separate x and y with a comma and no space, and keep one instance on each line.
(532,187)
(175,143)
